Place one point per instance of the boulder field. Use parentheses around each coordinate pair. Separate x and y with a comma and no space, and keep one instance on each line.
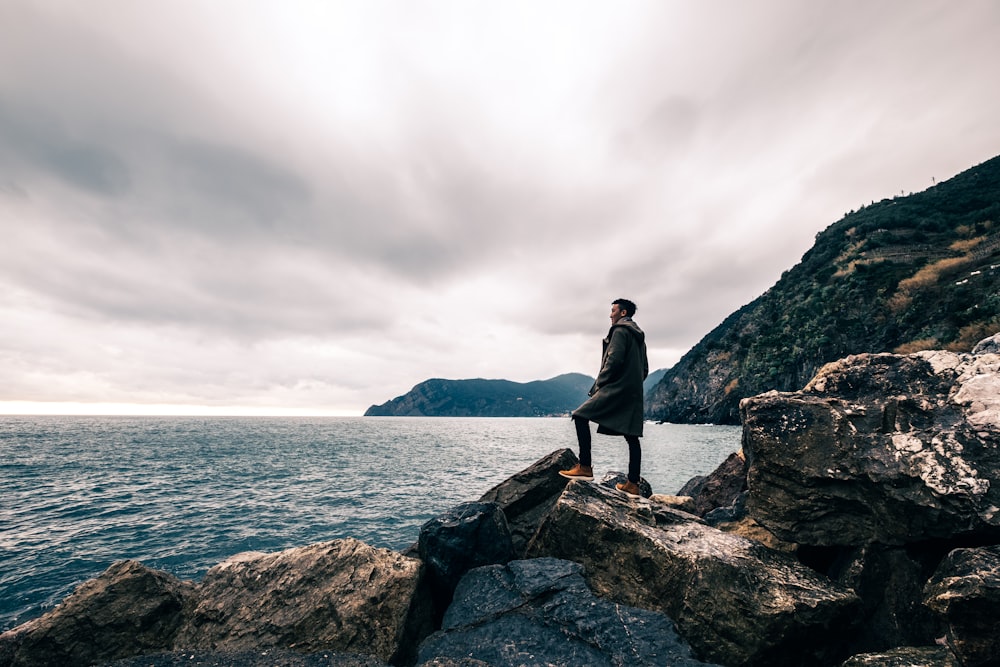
(858,525)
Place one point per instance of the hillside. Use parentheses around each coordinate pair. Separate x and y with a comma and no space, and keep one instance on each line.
(902,275)
(489,398)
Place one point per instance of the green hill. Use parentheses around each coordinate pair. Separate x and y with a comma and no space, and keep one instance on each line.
(902,275)
(489,398)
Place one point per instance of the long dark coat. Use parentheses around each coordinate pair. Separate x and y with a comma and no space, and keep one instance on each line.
(615,401)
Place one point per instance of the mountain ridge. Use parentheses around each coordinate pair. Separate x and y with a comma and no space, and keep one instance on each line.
(901,275)
(478,397)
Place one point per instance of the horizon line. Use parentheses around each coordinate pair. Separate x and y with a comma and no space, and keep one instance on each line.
(107,409)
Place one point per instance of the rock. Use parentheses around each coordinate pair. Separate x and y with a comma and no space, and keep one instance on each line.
(341,595)
(989,345)
(540,612)
(127,610)
(879,448)
(467,536)
(890,582)
(735,512)
(528,496)
(750,529)
(613,478)
(720,488)
(734,600)
(906,656)
(267,657)
(459,662)
(680,503)
(965,590)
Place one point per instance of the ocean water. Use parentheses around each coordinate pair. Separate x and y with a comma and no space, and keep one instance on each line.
(184,493)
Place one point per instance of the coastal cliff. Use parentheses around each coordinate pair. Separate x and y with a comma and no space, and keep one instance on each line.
(904,274)
(857,526)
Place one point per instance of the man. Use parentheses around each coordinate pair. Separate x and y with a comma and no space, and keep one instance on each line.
(615,401)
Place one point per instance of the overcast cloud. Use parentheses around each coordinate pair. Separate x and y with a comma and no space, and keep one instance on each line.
(312,206)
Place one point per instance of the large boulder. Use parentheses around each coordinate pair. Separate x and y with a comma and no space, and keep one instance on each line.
(966,591)
(467,536)
(881,448)
(342,595)
(890,582)
(128,610)
(541,612)
(736,601)
(721,488)
(528,496)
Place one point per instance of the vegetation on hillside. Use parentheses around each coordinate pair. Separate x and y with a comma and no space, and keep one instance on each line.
(489,398)
(901,275)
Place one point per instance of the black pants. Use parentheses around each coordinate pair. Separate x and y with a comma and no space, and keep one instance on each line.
(634,450)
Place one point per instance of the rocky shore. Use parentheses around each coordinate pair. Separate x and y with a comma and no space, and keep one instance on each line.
(858,525)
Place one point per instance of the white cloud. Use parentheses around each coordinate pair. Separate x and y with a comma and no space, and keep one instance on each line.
(314,206)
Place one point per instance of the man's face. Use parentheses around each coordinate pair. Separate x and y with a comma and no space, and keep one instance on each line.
(616,313)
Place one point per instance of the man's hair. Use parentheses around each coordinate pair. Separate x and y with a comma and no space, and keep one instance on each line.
(626,305)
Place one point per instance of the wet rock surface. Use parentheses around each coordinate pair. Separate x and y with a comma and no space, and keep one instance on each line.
(733,599)
(541,612)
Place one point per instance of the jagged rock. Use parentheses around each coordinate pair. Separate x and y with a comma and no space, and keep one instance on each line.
(459,662)
(906,656)
(734,600)
(720,488)
(966,591)
(540,612)
(989,345)
(731,514)
(267,657)
(680,503)
(467,536)
(879,448)
(750,529)
(612,478)
(890,582)
(342,595)
(528,496)
(128,610)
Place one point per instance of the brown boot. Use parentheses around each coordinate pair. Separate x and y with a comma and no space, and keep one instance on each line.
(631,488)
(579,472)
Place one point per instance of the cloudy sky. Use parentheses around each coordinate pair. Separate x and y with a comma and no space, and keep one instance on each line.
(310,206)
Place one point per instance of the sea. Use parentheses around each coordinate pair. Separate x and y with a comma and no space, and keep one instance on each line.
(182,494)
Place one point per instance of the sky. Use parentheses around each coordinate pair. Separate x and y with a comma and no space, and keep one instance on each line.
(308,207)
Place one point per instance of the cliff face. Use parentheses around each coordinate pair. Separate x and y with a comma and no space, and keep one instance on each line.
(488,398)
(903,275)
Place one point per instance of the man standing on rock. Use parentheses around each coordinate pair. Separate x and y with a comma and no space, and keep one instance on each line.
(615,401)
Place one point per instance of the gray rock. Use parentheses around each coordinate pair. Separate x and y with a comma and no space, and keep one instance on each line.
(733,599)
(528,496)
(540,612)
(879,448)
(264,657)
(989,345)
(890,582)
(966,591)
(467,536)
(342,595)
(736,511)
(680,503)
(906,656)
(128,610)
(720,488)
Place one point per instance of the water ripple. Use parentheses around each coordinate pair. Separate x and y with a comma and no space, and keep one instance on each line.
(182,494)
